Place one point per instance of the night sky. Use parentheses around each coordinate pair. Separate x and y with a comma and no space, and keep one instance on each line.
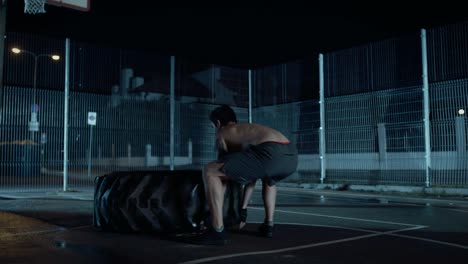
(241,37)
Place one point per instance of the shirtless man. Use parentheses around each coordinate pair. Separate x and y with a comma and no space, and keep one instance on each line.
(247,152)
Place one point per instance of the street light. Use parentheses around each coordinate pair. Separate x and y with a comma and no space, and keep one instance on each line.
(33,124)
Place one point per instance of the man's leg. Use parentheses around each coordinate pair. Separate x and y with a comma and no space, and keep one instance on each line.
(248,190)
(269,203)
(215,189)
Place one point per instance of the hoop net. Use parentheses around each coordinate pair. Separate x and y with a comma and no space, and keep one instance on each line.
(34,6)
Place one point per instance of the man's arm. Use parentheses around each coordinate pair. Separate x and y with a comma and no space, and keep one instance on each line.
(221,146)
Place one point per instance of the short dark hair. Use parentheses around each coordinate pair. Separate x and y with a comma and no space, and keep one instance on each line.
(224,114)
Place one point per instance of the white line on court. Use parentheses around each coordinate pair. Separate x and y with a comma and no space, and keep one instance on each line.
(374,234)
(410,200)
(391,202)
(411,237)
(340,217)
(329,226)
(462,211)
(432,240)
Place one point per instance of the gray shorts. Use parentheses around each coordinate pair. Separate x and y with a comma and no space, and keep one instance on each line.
(269,161)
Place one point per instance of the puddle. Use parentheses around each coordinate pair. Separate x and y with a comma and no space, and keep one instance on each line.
(97,253)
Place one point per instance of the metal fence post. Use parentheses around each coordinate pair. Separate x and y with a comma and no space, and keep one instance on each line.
(250,96)
(460,139)
(427,128)
(65,119)
(322,121)
(172,110)
(382,141)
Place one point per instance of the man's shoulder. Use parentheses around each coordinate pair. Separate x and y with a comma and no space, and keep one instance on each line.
(249,124)
(243,127)
(234,129)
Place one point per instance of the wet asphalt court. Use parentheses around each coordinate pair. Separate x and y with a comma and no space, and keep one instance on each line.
(311,227)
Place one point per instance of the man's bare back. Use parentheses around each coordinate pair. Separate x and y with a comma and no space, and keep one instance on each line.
(237,136)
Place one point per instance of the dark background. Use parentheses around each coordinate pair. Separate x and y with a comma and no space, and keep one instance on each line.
(262,34)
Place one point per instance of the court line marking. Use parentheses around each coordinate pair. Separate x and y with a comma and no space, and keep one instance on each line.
(344,197)
(374,234)
(328,226)
(341,217)
(432,240)
(331,226)
(406,236)
(330,197)
(389,201)
(341,193)
(461,211)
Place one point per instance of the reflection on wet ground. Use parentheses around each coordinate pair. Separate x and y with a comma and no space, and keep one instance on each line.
(310,228)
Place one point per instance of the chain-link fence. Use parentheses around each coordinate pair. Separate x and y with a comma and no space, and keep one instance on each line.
(373,114)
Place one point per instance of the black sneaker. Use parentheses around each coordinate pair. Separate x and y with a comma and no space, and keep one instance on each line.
(265,230)
(243,215)
(211,237)
(243,218)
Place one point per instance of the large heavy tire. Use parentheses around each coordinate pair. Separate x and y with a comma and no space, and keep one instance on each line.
(157,201)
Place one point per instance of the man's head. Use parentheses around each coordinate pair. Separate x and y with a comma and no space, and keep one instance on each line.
(224,114)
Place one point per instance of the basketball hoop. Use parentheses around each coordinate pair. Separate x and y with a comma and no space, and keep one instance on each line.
(34,6)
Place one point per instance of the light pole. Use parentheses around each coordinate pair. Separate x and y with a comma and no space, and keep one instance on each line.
(34,124)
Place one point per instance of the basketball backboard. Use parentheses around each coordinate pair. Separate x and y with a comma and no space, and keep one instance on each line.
(82,5)
(38,6)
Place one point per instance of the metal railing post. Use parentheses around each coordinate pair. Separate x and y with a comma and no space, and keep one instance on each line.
(427,126)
